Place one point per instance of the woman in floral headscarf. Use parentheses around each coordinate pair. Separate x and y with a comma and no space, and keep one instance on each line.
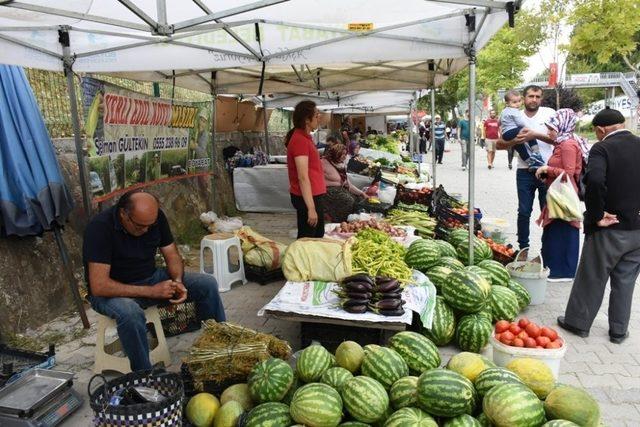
(561,239)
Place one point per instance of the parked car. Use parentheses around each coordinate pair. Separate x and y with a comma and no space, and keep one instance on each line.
(177,170)
(95,183)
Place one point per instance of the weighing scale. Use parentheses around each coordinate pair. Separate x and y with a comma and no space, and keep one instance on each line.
(41,398)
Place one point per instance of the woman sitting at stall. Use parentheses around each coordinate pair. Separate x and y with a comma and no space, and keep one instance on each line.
(341,194)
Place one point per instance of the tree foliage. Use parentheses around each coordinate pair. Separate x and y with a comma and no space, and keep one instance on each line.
(562,97)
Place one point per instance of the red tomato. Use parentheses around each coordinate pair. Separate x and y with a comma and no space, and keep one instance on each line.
(497,336)
(518,342)
(502,325)
(522,335)
(542,341)
(539,346)
(506,338)
(559,340)
(515,329)
(523,322)
(530,343)
(553,344)
(550,333)
(533,330)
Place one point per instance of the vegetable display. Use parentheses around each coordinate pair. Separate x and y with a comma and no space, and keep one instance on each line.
(422,222)
(360,293)
(376,254)
(356,226)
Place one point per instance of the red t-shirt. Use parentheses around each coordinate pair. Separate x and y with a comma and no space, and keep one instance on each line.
(301,144)
(491,129)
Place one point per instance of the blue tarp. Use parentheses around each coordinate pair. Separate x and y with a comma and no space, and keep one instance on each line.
(33,195)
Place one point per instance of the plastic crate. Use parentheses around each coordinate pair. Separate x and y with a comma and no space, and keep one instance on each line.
(16,362)
(179,319)
(261,275)
(330,336)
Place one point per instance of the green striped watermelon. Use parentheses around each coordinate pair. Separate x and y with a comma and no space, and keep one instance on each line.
(446,248)
(354,424)
(417,350)
(336,377)
(492,377)
(451,262)
(480,272)
(312,363)
(481,251)
(270,380)
(365,399)
(316,405)
(487,362)
(504,304)
(463,420)
(483,420)
(438,276)
(466,291)
(422,254)
(404,392)
(410,417)
(384,365)
(473,332)
(499,274)
(446,393)
(383,419)
(513,405)
(443,326)
(294,387)
(458,235)
(560,423)
(271,414)
(524,298)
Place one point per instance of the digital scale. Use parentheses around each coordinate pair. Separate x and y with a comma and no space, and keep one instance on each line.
(41,398)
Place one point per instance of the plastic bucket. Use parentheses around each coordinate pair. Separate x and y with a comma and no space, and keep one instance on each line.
(494,228)
(503,354)
(532,275)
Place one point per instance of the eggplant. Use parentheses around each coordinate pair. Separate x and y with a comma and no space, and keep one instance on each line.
(389,295)
(396,312)
(351,302)
(360,277)
(387,287)
(386,304)
(356,308)
(382,279)
(359,295)
(357,286)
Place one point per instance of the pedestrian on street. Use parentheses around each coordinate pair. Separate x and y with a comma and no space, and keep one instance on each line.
(611,249)
(465,137)
(491,132)
(422,132)
(561,239)
(439,134)
(527,184)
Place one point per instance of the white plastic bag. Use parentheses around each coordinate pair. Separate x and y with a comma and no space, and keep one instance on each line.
(563,201)
(387,194)
(228,225)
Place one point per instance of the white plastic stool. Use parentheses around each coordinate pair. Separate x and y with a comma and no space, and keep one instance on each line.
(219,245)
(106,361)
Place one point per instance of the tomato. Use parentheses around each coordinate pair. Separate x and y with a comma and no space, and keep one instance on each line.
(515,329)
(533,330)
(550,333)
(559,340)
(542,341)
(506,337)
(518,342)
(523,322)
(539,346)
(530,342)
(497,336)
(522,335)
(502,325)
(553,344)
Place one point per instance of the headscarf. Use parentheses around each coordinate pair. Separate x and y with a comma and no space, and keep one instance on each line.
(352,147)
(564,123)
(334,154)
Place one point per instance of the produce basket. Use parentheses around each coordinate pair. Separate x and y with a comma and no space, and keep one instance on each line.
(503,354)
(178,319)
(410,196)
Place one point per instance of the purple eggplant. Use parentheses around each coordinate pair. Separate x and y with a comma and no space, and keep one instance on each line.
(396,312)
(386,304)
(356,308)
(357,286)
(351,302)
(360,277)
(387,287)
(388,295)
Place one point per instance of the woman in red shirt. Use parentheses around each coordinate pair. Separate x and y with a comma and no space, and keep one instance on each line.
(306,177)
(561,239)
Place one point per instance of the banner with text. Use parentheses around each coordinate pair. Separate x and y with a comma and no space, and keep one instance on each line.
(135,140)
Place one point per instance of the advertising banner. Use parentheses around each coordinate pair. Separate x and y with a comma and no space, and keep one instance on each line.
(135,140)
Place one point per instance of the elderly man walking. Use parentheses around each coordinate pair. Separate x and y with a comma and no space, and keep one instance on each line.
(611,248)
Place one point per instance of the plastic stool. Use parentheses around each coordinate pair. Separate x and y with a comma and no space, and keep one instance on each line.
(106,361)
(219,244)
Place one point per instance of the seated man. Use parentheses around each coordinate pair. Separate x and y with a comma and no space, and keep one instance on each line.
(118,252)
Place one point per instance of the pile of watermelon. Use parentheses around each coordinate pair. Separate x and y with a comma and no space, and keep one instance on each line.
(402,384)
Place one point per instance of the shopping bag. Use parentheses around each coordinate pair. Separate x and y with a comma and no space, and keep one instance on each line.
(563,201)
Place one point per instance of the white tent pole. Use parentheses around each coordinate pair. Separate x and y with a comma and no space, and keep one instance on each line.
(410,128)
(63,38)
(432,136)
(214,79)
(266,124)
(472,123)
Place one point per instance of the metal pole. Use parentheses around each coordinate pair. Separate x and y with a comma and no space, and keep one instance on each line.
(213,138)
(472,123)
(410,128)
(266,123)
(63,38)
(432,136)
(66,263)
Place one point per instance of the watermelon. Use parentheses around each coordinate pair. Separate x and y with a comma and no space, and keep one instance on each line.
(417,350)
(504,304)
(404,392)
(483,420)
(446,248)
(535,373)
(353,424)
(492,377)
(513,405)
(560,423)
(349,355)
(294,387)
(572,404)
(422,254)
(463,420)
(473,332)
(384,365)
(467,364)
(499,274)
(458,235)
(488,362)
(451,262)
(438,276)
(480,272)
(522,294)
(382,421)
(228,414)
(336,377)
(410,417)
(316,405)
(270,380)
(481,251)
(365,399)
(201,409)
(466,291)
(271,414)
(239,393)
(446,393)
(312,363)
(443,325)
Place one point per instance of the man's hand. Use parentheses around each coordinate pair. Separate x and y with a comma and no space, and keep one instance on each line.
(542,170)
(608,220)
(312,218)
(180,295)
(525,135)
(163,290)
